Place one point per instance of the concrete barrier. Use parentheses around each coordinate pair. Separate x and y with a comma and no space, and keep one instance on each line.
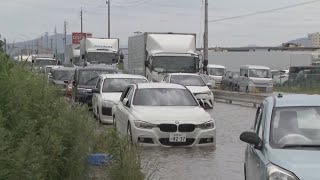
(231,97)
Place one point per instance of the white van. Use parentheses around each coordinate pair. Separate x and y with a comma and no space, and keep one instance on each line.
(255,79)
(215,73)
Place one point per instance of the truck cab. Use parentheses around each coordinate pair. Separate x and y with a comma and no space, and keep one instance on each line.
(215,73)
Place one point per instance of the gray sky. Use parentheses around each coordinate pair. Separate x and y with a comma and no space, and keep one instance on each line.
(27,19)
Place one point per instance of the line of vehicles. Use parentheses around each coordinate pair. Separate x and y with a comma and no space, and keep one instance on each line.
(162,101)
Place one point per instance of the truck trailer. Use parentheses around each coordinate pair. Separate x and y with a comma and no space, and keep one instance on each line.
(99,51)
(156,54)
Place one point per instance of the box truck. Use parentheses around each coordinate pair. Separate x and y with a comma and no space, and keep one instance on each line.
(156,54)
(99,51)
(72,55)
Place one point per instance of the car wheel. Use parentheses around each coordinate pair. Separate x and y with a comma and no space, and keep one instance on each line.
(114,122)
(129,133)
(247,89)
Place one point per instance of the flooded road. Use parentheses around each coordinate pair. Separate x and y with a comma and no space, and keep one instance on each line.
(223,163)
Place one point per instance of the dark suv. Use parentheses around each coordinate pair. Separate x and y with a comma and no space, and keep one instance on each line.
(85,79)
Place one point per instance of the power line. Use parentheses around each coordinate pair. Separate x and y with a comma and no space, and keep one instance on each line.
(263,12)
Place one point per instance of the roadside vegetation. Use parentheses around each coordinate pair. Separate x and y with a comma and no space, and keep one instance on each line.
(44,137)
(302,88)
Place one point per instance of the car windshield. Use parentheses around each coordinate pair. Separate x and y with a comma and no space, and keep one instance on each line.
(217,71)
(62,74)
(187,80)
(171,64)
(164,97)
(44,62)
(259,73)
(295,127)
(102,57)
(119,84)
(90,77)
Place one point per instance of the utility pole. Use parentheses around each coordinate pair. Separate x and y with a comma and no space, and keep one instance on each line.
(55,41)
(65,32)
(205,46)
(81,20)
(108,2)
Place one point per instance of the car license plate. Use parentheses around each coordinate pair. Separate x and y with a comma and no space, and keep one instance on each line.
(178,137)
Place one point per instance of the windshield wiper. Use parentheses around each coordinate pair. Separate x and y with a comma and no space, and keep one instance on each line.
(90,80)
(300,146)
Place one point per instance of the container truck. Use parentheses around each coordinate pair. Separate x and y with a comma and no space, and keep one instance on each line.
(156,54)
(99,51)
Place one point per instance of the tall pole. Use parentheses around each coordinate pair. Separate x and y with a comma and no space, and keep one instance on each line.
(81,20)
(55,41)
(205,50)
(65,32)
(108,2)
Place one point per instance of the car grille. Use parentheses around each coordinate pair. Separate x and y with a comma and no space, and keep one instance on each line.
(106,111)
(168,127)
(166,142)
(186,127)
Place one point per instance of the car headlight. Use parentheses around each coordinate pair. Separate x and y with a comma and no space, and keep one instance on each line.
(277,173)
(206,125)
(144,125)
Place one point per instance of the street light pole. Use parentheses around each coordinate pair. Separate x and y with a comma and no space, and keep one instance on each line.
(108,2)
(205,46)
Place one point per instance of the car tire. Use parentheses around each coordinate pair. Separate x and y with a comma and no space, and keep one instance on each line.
(98,116)
(129,133)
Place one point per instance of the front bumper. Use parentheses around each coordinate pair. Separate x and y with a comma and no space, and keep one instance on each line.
(260,88)
(156,137)
(205,100)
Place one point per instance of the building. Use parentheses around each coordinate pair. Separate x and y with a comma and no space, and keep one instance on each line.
(314,39)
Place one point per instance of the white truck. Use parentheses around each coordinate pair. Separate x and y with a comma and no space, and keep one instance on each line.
(155,55)
(99,51)
(72,55)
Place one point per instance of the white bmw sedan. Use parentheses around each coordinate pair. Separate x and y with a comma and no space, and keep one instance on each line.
(163,114)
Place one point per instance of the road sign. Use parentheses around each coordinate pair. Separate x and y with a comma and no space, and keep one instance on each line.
(77,37)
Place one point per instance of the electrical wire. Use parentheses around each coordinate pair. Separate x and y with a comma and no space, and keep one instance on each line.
(263,12)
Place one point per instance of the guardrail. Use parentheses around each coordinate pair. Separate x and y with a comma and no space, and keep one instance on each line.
(230,97)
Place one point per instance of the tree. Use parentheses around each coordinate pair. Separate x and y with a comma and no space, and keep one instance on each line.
(1,46)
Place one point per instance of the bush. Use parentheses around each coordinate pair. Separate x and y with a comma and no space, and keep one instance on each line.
(41,136)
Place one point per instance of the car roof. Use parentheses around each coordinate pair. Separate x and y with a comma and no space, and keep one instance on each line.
(215,66)
(294,100)
(255,67)
(88,68)
(64,68)
(133,76)
(183,74)
(159,86)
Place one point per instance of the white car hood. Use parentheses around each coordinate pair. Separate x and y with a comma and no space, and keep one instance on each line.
(198,89)
(114,97)
(182,114)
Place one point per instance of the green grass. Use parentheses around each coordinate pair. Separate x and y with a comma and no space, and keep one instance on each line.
(297,89)
(44,137)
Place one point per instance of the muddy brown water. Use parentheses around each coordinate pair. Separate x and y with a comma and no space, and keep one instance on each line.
(224,162)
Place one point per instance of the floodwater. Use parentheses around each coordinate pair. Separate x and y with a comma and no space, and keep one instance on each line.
(225,162)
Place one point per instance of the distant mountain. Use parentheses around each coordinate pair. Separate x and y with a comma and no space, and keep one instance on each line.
(303,41)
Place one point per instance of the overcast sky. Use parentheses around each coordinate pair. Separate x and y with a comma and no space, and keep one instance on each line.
(27,19)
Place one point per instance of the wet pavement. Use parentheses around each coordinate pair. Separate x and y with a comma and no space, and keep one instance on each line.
(225,162)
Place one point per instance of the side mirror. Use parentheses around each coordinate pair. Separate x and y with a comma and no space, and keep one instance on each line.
(95,90)
(209,84)
(66,82)
(125,102)
(251,138)
(83,56)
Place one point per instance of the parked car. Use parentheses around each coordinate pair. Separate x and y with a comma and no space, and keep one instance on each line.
(61,77)
(280,77)
(230,81)
(195,84)
(108,91)
(215,73)
(85,79)
(284,142)
(255,79)
(163,114)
